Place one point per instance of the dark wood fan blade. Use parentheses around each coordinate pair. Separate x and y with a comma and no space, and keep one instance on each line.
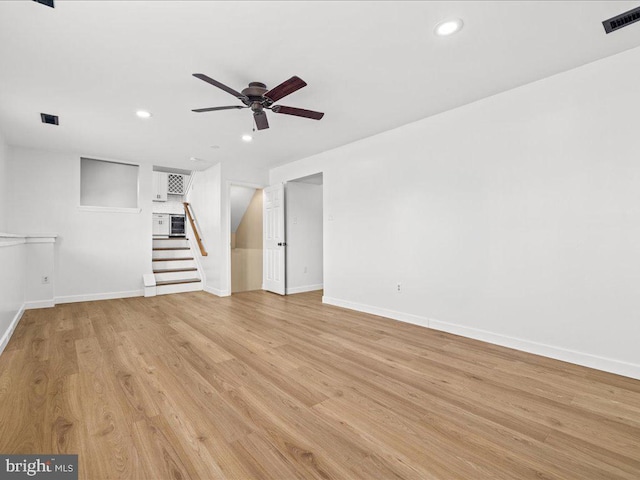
(48,3)
(213,109)
(298,112)
(221,86)
(285,88)
(261,120)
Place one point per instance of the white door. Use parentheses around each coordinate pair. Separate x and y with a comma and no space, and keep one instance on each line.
(274,239)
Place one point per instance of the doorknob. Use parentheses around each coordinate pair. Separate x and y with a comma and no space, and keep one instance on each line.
(282,244)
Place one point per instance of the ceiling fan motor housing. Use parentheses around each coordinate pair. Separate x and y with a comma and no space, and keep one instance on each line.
(255,91)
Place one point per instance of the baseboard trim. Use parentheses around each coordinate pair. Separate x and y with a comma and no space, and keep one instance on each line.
(216,291)
(92,297)
(558,353)
(39,304)
(6,336)
(382,312)
(305,288)
(605,364)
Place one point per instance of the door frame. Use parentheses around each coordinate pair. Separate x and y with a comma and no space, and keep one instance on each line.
(325,219)
(227,228)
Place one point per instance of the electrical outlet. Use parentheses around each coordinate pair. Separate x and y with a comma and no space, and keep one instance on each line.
(398,287)
(45,279)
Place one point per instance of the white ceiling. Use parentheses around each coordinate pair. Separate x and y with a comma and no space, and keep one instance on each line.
(370,65)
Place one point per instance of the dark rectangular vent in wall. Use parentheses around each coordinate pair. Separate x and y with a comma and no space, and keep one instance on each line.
(619,21)
(48,118)
(48,3)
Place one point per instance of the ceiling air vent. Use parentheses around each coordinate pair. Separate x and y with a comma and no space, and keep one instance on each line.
(50,119)
(620,21)
(48,3)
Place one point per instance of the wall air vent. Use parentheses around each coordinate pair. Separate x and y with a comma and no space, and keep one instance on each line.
(50,119)
(620,21)
(48,3)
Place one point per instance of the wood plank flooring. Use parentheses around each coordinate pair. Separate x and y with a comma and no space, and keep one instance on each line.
(257,386)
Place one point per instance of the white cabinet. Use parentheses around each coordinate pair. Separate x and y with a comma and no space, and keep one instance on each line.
(159,186)
(161,224)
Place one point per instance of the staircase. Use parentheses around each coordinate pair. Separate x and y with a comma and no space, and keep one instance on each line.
(174,267)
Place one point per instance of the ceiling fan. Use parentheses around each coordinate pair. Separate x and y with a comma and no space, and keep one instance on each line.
(258,98)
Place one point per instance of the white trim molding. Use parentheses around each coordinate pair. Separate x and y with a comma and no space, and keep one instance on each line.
(39,304)
(86,208)
(13,242)
(304,288)
(91,297)
(9,331)
(579,358)
(382,312)
(11,239)
(558,353)
(216,291)
(44,238)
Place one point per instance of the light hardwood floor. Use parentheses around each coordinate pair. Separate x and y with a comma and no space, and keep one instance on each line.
(257,386)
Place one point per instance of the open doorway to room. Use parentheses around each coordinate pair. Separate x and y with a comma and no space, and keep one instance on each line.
(245,238)
(304,234)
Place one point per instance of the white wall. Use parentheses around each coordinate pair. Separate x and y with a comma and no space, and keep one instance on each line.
(204,197)
(4,185)
(40,254)
(515,219)
(303,211)
(98,254)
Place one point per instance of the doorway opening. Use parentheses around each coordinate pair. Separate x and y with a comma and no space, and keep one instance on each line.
(245,238)
(304,234)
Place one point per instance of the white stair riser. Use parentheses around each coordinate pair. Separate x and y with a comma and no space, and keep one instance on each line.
(174,264)
(172,254)
(170,243)
(161,277)
(179,288)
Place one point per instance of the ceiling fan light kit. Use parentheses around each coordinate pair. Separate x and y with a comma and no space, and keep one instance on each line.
(258,98)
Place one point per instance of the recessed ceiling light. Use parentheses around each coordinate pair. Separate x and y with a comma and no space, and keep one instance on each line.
(247,138)
(448,27)
(143,114)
